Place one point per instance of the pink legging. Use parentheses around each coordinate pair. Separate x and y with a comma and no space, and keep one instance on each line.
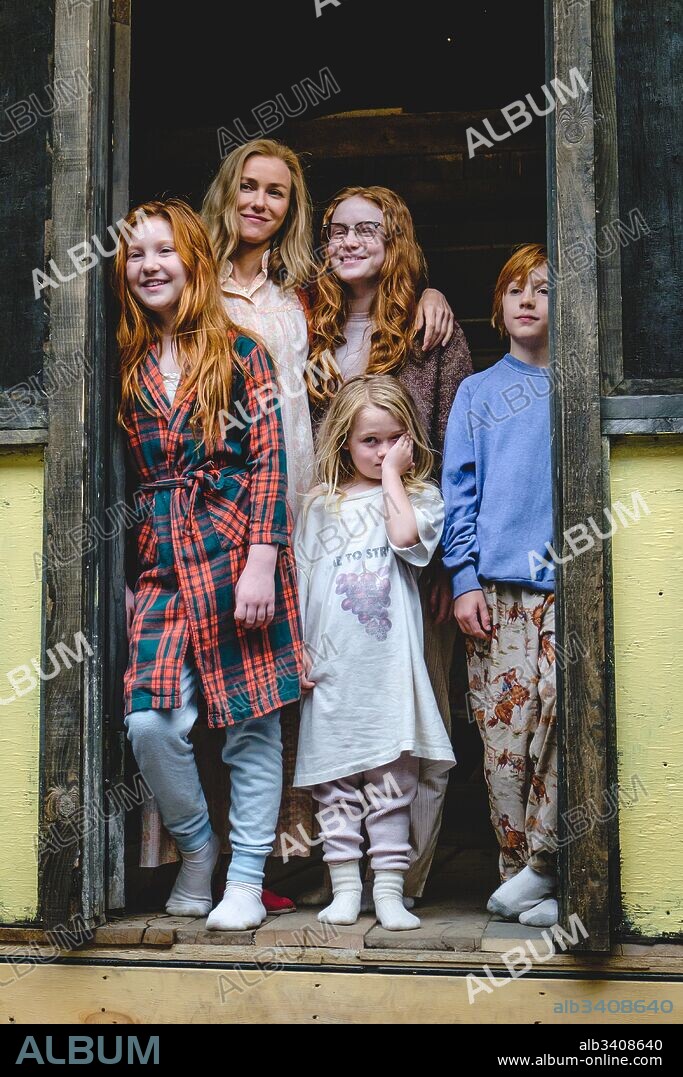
(382,797)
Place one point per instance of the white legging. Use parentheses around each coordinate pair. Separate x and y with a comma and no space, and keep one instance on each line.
(253,752)
(385,806)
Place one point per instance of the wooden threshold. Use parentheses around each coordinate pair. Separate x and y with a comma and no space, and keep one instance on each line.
(124,994)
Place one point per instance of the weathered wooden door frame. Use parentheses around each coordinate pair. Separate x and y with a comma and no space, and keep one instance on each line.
(115,747)
(585,319)
(90,191)
(71,825)
(82,754)
(594,402)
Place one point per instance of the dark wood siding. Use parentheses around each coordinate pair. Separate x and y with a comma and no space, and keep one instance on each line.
(649,42)
(26,34)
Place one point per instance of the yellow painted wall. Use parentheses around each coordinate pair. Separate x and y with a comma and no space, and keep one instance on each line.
(648,614)
(21,539)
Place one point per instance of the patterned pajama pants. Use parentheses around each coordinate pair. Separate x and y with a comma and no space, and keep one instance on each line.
(513,700)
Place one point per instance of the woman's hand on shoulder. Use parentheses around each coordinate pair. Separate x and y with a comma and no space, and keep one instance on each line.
(435,314)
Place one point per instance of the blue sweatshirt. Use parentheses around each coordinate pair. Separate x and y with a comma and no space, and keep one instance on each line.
(497,479)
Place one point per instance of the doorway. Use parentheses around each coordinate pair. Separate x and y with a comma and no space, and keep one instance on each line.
(367,98)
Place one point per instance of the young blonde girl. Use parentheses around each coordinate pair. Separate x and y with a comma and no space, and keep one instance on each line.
(369,715)
(214,607)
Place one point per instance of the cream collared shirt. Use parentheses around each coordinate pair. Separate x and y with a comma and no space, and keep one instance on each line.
(276,315)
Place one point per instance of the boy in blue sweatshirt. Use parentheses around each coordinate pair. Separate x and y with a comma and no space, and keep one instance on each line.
(498,496)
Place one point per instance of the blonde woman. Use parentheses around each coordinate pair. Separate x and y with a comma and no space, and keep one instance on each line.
(258,214)
(369,717)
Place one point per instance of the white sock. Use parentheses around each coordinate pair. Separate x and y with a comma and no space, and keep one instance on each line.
(367,903)
(520,893)
(346,887)
(240,909)
(322,894)
(388,896)
(544,914)
(191,893)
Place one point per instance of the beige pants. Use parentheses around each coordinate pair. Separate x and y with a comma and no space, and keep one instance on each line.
(427,808)
(513,700)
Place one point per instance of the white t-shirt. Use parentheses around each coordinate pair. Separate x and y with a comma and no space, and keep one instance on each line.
(171,383)
(353,357)
(363,626)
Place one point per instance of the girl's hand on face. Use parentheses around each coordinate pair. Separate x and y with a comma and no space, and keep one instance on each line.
(472,614)
(400,456)
(435,314)
(255,597)
(306,683)
(130,610)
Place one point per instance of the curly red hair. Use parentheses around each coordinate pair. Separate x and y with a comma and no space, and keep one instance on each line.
(402,278)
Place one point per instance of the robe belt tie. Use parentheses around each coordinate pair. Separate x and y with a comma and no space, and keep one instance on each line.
(198,479)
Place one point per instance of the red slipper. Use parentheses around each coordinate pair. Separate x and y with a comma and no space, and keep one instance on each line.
(274,904)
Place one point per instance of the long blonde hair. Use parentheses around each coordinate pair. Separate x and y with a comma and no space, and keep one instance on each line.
(334,466)
(393,310)
(202,332)
(290,264)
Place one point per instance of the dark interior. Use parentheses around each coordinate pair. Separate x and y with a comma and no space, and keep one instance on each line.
(408,88)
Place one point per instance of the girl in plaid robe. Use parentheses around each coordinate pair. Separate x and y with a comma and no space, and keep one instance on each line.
(215,607)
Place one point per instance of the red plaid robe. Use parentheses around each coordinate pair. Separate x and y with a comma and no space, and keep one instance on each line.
(193,546)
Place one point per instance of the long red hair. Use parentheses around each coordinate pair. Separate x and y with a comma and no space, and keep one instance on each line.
(203,334)
(402,278)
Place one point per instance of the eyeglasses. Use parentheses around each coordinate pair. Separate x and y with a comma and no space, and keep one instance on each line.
(363,230)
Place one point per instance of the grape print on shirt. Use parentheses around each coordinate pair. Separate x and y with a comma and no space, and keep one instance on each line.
(368,595)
